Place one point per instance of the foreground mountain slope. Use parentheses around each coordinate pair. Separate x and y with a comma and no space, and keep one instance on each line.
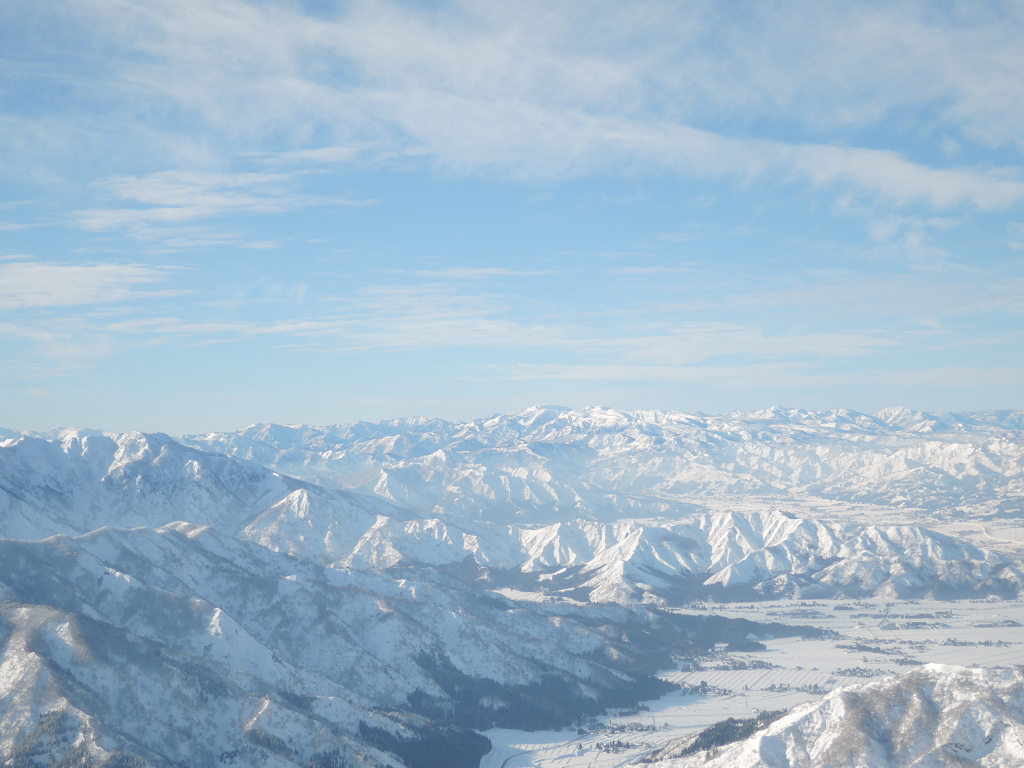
(185,644)
(551,464)
(935,716)
(78,692)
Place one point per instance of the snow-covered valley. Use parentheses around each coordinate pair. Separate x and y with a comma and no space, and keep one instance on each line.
(875,640)
(379,594)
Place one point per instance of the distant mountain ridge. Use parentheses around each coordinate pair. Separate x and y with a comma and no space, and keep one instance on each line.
(554,464)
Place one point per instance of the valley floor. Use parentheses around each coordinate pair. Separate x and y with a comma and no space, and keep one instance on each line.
(874,637)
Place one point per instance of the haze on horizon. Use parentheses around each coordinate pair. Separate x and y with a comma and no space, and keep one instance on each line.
(218,212)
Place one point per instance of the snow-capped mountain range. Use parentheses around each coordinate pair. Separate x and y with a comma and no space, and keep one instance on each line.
(76,481)
(363,595)
(555,464)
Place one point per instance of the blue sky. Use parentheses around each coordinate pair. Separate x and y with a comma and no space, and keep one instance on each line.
(216,212)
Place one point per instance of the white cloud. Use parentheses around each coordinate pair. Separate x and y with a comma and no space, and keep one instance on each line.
(320,155)
(425,317)
(532,89)
(1017,233)
(263,245)
(477,273)
(435,316)
(697,342)
(380,318)
(41,284)
(654,344)
(769,375)
(173,197)
(766,373)
(651,270)
(55,349)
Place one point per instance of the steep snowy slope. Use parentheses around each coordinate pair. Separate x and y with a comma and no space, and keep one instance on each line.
(935,716)
(80,480)
(720,555)
(186,644)
(554,464)
(79,692)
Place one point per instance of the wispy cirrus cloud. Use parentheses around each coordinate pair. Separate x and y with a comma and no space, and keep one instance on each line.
(316,156)
(34,284)
(1017,235)
(433,316)
(167,198)
(649,271)
(781,96)
(446,317)
(774,374)
(478,273)
(376,318)
(697,342)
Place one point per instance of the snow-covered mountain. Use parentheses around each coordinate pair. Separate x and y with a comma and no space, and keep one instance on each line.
(725,556)
(184,645)
(936,716)
(554,464)
(80,480)
(364,595)
(76,482)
